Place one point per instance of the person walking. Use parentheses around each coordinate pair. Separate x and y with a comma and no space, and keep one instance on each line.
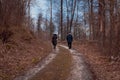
(54,40)
(69,40)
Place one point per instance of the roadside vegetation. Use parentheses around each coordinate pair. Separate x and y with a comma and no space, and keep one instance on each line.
(103,67)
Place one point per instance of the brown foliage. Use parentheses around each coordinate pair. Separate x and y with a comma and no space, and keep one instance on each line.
(104,67)
(22,52)
(106,31)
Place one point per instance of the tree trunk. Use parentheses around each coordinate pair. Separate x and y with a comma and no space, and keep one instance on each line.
(61,20)
(51,27)
(72,15)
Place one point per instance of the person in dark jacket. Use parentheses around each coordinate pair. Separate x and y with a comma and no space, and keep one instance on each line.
(54,40)
(69,40)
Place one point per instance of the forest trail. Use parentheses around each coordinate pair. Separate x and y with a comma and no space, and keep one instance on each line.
(79,70)
(32,72)
(61,64)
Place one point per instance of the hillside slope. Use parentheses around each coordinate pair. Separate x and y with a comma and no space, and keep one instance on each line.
(21,51)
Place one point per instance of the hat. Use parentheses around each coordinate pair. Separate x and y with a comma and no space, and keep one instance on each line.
(55,32)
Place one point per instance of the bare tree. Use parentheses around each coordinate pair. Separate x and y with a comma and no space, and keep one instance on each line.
(51,27)
(61,20)
(12,13)
(39,22)
(72,13)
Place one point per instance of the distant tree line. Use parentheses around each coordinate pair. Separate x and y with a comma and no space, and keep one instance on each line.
(105,24)
(94,20)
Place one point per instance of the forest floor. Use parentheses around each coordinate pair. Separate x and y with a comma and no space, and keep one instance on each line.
(103,67)
(22,51)
(84,61)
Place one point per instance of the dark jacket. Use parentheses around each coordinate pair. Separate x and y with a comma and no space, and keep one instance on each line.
(54,39)
(69,38)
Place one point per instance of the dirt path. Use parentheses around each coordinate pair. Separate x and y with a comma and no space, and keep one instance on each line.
(80,70)
(32,72)
(58,69)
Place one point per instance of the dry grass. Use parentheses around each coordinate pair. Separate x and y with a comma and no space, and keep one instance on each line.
(22,52)
(58,69)
(101,65)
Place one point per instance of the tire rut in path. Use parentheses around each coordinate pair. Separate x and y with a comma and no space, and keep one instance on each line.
(32,72)
(58,69)
(79,70)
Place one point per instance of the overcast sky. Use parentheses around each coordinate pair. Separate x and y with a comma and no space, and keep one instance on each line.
(39,6)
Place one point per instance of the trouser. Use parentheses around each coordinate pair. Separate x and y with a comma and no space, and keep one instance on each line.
(70,45)
(54,44)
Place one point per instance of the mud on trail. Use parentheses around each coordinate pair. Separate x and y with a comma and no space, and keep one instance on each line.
(62,64)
